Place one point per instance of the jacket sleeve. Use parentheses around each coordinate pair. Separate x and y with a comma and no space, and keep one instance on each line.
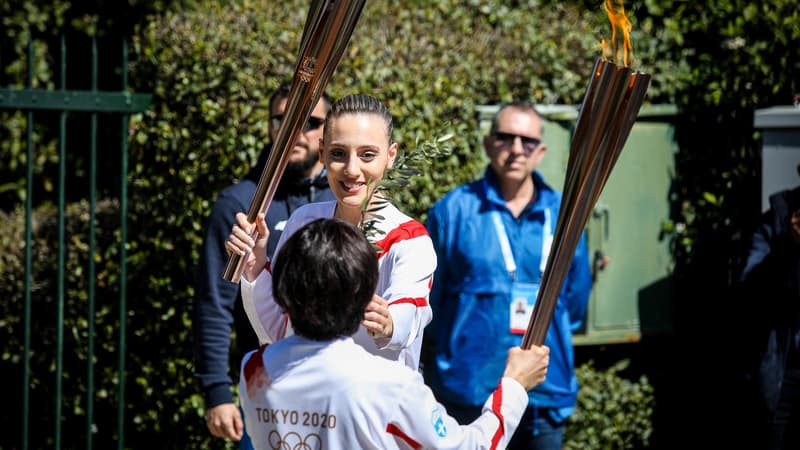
(413,263)
(266,317)
(439,281)
(213,309)
(422,422)
(760,248)
(433,225)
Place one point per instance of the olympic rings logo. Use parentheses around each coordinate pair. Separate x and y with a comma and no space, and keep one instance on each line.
(294,441)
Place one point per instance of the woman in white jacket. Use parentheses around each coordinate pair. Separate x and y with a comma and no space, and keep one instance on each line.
(357,148)
(319,389)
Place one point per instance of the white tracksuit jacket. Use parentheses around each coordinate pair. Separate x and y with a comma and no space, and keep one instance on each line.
(298,393)
(406,267)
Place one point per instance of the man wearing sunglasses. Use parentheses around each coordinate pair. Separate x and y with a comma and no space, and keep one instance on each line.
(218,304)
(492,238)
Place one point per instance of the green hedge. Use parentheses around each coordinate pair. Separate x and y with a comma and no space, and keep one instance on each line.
(612,411)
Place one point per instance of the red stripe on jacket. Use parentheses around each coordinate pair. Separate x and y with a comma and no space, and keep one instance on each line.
(393,429)
(254,364)
(497,402)
(418,301)
(407,230)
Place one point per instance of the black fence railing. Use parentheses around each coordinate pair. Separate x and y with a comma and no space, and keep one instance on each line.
(57,108)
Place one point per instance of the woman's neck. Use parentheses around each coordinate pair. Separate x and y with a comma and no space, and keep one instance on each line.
(351,215)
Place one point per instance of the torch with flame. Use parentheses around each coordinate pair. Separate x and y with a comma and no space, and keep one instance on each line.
(607,114)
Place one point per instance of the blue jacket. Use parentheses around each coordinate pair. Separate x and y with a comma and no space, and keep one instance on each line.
(470,332)
(218,304)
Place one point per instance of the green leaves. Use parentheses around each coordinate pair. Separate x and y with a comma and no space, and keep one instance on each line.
(612,411)
(408,164)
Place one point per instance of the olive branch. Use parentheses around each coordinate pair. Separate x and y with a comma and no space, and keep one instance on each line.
(407,164)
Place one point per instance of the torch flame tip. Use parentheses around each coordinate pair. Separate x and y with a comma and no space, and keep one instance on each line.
(615,10)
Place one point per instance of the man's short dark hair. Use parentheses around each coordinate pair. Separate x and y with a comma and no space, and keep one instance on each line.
(323,277)
(282,91)
(517,104)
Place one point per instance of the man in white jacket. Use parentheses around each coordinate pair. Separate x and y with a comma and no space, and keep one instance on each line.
(319,389)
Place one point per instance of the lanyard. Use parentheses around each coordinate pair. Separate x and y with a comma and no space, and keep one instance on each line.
(505,245)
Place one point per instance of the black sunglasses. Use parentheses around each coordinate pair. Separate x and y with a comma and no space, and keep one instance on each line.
(506,140)
(311,124)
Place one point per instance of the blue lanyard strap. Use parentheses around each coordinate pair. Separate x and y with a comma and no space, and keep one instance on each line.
(505,244)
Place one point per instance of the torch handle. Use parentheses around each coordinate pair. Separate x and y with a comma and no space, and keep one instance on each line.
(327,31)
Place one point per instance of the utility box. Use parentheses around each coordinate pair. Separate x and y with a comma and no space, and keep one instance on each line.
(632,264)
(780,149)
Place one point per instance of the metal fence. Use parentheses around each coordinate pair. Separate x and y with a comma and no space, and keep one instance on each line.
(62,102)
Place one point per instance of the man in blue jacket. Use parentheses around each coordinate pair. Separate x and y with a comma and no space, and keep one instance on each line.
(492,238)
(218,303)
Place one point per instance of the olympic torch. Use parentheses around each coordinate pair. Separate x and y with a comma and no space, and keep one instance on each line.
(327,31)
(607,114)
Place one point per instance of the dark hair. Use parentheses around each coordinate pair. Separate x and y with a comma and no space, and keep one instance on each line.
(323,277)
(282,92)
(523,105)
(360,103)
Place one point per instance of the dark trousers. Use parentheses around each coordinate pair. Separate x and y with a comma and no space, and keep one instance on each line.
(784,428)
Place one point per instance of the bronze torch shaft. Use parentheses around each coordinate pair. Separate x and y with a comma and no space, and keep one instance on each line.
(609,110)
(327,31)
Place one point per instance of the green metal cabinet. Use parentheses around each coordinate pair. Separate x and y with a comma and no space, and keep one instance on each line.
(780,149)
(631,263)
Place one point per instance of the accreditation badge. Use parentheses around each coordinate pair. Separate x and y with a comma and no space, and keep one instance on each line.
(523,299)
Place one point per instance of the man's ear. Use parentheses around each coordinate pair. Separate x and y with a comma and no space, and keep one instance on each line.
(540,151)
(487,144)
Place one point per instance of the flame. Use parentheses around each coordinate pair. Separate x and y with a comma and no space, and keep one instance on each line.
(616,15)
